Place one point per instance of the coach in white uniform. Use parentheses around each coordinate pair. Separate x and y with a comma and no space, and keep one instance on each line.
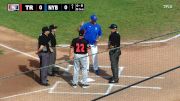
(92,34)
(79,53)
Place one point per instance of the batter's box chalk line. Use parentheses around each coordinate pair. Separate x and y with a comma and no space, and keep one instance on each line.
(121,68)
(109,88)
(71,66)
(66,73)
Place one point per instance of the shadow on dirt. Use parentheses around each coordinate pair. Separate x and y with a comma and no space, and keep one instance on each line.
(33,63)
(28,72)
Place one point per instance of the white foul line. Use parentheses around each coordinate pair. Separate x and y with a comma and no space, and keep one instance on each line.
(23,53)
(109,89)
(53,87)
(7,97)
(165,40)
(126,43)
(19,51)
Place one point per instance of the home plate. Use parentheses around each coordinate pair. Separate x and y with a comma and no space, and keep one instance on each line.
(89,80)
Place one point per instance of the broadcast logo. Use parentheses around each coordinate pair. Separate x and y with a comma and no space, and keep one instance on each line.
(13,7)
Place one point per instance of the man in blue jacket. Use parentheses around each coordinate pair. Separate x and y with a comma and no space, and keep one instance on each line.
(93,33)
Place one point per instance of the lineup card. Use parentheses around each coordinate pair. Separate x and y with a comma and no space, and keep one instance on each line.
(46,7)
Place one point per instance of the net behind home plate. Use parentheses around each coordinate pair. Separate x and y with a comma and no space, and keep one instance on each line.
(137,62)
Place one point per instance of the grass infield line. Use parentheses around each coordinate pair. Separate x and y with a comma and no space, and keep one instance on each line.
(127,43)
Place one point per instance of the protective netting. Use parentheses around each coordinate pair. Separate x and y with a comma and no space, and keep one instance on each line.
(141,60)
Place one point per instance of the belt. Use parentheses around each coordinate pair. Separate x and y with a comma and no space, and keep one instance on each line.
(114,47)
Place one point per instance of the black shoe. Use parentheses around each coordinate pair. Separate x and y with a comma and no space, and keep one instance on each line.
(45,84)
(114,81)
(111,78)
(74,85)
(51,74)
(58,72)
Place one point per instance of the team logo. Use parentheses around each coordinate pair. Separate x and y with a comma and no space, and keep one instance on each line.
(13,7)
(96,28)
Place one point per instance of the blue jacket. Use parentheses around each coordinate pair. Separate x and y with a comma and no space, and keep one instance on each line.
(92,32)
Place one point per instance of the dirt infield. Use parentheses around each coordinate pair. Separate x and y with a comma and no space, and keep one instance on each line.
(136,63)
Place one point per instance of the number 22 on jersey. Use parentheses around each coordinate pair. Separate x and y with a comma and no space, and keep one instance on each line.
(80,47)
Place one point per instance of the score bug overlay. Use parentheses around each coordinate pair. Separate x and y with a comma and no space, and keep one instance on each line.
(45,7)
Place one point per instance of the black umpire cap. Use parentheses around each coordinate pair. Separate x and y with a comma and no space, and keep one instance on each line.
(81,32)
(45,28)
(113,26)
(52,27)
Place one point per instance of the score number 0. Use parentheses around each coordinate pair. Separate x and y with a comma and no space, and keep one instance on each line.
(40,7)
(65,7)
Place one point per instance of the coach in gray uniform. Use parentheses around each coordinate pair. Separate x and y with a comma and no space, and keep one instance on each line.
(52,36)
(43,52)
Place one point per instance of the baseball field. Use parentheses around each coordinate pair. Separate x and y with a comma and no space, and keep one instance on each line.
(137,19)
(141,64)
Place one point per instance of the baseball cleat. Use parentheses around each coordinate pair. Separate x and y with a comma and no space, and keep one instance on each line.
(45,84)
(85,86)
(114,81)
(74,85)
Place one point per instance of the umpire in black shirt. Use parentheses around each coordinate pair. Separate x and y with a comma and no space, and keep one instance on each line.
(43,52)
(52,36)
(114,53)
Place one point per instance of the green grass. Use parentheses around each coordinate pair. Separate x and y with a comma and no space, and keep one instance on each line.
(137,19)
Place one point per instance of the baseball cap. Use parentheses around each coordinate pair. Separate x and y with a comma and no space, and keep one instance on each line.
(113,26)
(81,32)
(45,28)
(93,18)
(52,26)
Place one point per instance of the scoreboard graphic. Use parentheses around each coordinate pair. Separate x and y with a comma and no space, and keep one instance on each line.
(46,7)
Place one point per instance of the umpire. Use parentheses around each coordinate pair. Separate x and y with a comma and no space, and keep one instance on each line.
(114,53)
(52,36)
(43,53)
